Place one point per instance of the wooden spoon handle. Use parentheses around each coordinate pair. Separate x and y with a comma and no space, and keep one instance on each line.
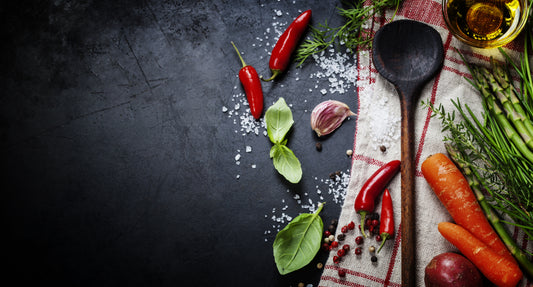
(408,228)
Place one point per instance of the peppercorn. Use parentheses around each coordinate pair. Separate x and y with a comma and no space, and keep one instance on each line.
(351,225)
(332,176)
(344,229)
(319,265)
(332,228)
(327,233)
(341,237)
(341,252)
(342,273)
(349,152)
(318,146)
(372,249)
(334,244)
(338,173)
(346,247)
(358,251)
(331,238)
(383,148)
(359,240)
(336,259)
(374,259)
(378,238)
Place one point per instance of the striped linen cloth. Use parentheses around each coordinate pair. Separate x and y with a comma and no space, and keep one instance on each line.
(378,124)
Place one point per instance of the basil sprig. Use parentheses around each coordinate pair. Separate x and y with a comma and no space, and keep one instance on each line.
(279,121)
(298,243)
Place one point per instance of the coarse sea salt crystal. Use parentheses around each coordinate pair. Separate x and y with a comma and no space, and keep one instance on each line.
(248,148)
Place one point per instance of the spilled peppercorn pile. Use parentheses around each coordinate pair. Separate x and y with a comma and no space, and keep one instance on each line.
(341,243)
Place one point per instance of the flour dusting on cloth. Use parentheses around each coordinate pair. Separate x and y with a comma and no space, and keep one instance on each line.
(378,124)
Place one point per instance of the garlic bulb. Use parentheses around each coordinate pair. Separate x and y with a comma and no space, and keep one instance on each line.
(328,116)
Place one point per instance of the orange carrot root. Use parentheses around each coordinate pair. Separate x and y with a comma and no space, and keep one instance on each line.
(453,190)
(498,269)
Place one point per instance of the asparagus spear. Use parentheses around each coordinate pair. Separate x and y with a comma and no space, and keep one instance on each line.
(520,138)
(502,84)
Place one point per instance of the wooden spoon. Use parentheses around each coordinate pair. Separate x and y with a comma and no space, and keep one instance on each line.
(408,54)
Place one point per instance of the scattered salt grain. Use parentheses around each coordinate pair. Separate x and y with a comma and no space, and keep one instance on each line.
(224,109)
(248,148)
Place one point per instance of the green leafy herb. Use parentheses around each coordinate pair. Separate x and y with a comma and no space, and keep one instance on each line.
(297,244)
(279,121)
(351,34)
(286,162)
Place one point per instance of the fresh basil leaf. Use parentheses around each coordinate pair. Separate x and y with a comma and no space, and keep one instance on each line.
(286,162)
(297,244)
(278,120)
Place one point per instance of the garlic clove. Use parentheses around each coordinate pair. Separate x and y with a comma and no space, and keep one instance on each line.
(328,116)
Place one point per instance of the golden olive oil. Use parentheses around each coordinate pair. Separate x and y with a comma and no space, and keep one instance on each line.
(484,20)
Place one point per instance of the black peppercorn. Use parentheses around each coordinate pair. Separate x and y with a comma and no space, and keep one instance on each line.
(318,146)
(383,148)
(341,237)
(374,259)
(332,228)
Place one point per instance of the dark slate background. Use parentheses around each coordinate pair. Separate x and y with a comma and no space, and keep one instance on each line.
(119,163)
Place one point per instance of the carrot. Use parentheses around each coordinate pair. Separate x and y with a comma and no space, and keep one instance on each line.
(453,190)
(498,269)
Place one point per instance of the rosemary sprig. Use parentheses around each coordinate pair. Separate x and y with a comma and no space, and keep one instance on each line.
(351,34)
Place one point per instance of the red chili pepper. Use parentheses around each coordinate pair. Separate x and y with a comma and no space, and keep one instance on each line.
(365,200)
(287,43)
(252,87)
(386,227)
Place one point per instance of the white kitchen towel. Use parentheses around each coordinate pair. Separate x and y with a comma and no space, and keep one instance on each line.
(378,125)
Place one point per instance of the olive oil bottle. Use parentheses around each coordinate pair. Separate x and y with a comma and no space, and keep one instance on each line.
(484,20)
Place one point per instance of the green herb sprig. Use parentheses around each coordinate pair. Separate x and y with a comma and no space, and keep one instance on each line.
(351,34)
(279,121)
